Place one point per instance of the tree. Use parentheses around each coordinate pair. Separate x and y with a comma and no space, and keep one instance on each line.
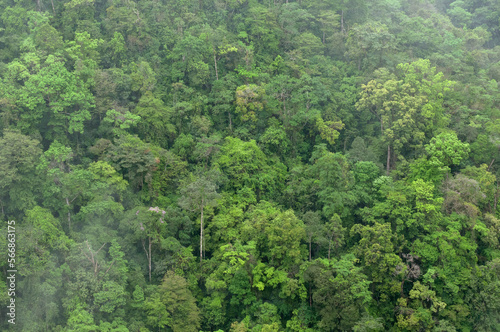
(278,237)
(263,29)
(179,303)
(365,173)
(423,303)
(222,100)
(330,22)
(119,121)
(105,194)
(373,41)
(249,101)
(488,184)
(157,314)
(341,292)
(81,320)
(329,129)
(41,235)
(376,250)
(230,282)
(275,140)
(221,47)
(245,165)
(446,149)
(333,182)
(361,152)
(281,90)
(190,56)
(293,20)
(334,233)
(154,121)
(149,224)
(198,195)
(312,221)
(463,196)
(19,156)
(75,14)
(409,107)
(54,101)
(95,280)
(84,55)
(41,247)
(134,158)
(206,148)
(225,226)
(64,182)
(284,234)
(485,288)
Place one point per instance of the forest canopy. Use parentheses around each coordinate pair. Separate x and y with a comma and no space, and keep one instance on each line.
(248,165)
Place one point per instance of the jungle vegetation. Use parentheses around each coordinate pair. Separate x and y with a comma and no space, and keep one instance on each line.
(251,165)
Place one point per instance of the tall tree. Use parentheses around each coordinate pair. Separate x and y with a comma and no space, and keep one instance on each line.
(19,155)
(408,106)
(198,195)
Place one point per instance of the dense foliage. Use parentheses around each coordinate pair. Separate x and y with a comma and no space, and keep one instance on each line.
(248,165)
